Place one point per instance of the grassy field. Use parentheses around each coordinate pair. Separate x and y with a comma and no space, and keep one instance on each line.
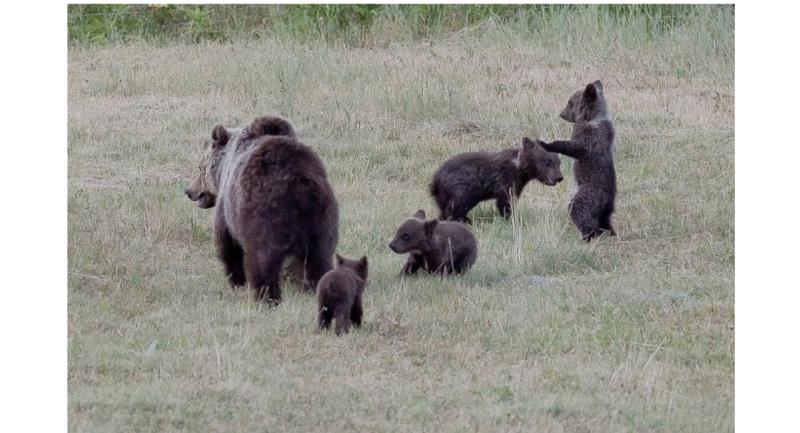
(544,334)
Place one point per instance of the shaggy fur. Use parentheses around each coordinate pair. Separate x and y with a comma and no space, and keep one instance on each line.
(436,247)
(273,202)
(470,178)
(339,295)
(592,147)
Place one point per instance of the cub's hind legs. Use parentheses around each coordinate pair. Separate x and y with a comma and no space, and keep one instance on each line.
(590,216)
(503,206)
(324,318)
(585,214)
(605,222)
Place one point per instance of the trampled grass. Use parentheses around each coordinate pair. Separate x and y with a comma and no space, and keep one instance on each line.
(545,333)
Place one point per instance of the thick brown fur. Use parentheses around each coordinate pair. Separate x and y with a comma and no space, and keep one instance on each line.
(435,246)
(340,293)
(273,202)
(271,125)
(470,178)
(592,147)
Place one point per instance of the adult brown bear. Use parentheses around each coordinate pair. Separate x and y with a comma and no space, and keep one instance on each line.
(273,202)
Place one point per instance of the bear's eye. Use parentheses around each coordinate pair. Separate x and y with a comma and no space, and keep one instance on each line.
(405,237)
(548,163)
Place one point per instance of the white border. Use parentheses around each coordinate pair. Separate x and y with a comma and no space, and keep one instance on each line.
(33,309)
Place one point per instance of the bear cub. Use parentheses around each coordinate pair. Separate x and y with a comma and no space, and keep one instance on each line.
(470,178)
(435,246)
(591,146)
(339,294)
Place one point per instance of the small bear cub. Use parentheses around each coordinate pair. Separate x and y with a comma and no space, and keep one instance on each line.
(435,246)
(339,294)
(592,147)
(470,178)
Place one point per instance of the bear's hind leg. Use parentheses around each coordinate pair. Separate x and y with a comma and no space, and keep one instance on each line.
(503,206)
(324,318)
(587,233)
(463,263)
(263,268)
(357,313)
(342,320)
(444,207)
(605,222)
(317,264)
(583,212)
(455,208)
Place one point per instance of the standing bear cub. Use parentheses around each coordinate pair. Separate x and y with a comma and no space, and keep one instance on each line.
(592,147)
(437,247)
(470,178)
(339,294)
(273,202)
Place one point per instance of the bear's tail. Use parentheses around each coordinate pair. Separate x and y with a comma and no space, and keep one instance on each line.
(271,125)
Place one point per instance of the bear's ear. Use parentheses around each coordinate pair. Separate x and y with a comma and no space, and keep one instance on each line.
(527,144)
(220,136)
(533,146)
(420,214)
(590,93)
(598,85)
(430,226)
(339,260)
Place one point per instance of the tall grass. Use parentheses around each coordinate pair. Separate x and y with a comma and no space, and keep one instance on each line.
(352,25)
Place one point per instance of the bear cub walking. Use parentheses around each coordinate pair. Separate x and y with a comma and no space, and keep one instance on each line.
(437,247)
(339,294)
(470,178)
(592,147)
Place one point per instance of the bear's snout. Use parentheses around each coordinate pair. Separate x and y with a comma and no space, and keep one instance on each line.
(559,179)
(393,247)
(203,199)
(194,196)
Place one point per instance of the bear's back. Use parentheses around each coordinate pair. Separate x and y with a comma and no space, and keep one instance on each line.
(282,184)
(597,167)
(288,175)
(455,233)
(338,286)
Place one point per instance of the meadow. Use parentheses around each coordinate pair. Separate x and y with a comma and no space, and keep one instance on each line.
(546,333)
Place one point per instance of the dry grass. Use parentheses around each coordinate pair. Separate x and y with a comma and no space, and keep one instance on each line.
(544,334)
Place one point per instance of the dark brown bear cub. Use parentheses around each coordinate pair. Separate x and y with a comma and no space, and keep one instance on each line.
(592,147)
(470,178)
(437,247)
(273,202)
(339,294)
